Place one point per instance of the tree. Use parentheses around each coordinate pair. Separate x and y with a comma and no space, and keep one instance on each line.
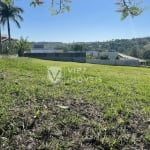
(146,54)
(22,45)
(0,28)
(9,12)
(56,6)
(77,48)
(126,7)
(129,7)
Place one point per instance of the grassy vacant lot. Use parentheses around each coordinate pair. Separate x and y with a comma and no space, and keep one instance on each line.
(92,107)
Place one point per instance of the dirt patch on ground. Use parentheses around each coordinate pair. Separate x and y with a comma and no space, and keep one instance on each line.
(72,124)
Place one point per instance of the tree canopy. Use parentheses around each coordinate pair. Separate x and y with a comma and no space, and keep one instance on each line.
(125,7)
(9,12)
(129,7)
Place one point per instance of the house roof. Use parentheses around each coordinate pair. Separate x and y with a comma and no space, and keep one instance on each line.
(113,55)
(5,38)
(130,57)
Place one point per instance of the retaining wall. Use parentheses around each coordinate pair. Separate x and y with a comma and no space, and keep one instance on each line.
(114,62)
(73,57)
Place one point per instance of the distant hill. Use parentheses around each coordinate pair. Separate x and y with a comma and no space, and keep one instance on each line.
(137,47)
(50,45)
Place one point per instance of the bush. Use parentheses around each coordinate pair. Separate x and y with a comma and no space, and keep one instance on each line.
(104,57)
(77,48)
(89,56)
(22,45)
(146,54)
(117,57)
(8,49)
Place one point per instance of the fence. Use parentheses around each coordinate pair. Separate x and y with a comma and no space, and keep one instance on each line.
(114,62)
(73,57)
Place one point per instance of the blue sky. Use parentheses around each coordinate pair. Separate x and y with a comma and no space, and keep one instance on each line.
(88,20)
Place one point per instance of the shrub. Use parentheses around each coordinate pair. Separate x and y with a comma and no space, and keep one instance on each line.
(117,57)
(8,49)
(22,45)
(146,54)
(104,57)
(89,56)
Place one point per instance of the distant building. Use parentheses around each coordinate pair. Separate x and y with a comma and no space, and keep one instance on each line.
(112,55)
(113,58)
(4,39)
(92,53)
(40,48)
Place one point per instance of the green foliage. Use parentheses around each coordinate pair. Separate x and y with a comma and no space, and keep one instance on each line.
(77,47)
(146,55)
(35,3)
(104,57)
(146,47)
(56,6)
(89,57)
(128,7)
(8,2)
(22,45)
(117,57)
(9,12)
(134,47)
(16,47)
(9,49)
(135,11)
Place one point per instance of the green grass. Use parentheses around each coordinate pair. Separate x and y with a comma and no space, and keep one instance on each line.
(107,107)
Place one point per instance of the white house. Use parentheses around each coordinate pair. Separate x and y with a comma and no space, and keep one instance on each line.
(113,58)
(4,39)
(40,48)
(92,53)
(112,55)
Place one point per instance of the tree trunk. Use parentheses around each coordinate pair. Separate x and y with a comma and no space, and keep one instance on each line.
(8,26)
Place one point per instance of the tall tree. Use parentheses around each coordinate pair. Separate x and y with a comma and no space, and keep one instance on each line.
(9,12)
(8,2)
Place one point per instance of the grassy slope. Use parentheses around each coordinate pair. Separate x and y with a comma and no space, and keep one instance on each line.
(108,107)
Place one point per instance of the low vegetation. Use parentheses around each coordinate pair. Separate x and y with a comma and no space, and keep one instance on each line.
(16,47)
(92,107)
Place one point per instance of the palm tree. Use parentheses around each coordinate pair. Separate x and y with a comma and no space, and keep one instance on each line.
(9,12)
